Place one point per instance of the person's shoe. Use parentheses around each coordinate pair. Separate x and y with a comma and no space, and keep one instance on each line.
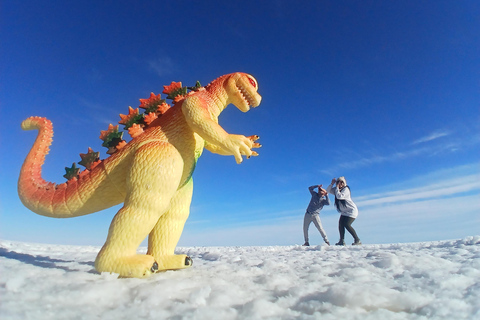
(340,243)
(357,243)
(328,243)
(306,244)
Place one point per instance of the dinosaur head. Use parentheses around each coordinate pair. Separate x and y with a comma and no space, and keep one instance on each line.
(241,89)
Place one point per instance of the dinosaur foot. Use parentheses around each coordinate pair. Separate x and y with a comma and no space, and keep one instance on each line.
(173,262)
(136,266)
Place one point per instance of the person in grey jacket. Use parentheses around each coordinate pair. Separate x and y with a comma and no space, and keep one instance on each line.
(318,200)
(346,207)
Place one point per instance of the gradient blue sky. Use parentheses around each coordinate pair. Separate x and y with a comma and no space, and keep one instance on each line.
(385,93)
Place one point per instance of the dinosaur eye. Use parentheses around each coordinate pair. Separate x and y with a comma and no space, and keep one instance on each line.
(252,82)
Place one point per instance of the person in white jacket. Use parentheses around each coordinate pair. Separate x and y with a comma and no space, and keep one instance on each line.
(346,207)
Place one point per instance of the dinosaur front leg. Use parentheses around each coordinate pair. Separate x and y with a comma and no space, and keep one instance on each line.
(165,235)
(199,118)
(152,181)
(219,150)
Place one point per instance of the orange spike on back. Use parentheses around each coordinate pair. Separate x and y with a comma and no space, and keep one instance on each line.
(149,118)
(172,87)
(135,130)
(152,100)
(131,114)
(104,133)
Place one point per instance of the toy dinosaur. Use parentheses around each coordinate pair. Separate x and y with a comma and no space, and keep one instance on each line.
(151,174)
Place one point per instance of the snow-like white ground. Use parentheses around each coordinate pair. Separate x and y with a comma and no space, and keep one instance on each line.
(430,280)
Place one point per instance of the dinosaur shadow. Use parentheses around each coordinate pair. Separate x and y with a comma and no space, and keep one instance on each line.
(44,261)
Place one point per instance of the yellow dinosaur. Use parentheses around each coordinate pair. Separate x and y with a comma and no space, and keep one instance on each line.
(151,174)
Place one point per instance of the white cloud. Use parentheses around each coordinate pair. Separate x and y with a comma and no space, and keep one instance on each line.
(415,150)
(376,159)
(162,65)
(414,221)
(445,188)
(433,136)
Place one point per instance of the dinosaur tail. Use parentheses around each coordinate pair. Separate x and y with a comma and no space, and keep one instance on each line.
(43,197)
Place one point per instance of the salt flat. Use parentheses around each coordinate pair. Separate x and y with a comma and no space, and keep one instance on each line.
(428,280)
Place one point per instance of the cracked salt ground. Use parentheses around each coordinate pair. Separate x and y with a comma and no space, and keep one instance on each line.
(429,280)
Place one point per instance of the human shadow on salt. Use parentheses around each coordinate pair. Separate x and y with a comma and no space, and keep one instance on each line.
(44,261)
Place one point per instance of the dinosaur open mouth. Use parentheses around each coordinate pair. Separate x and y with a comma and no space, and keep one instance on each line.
(251,101)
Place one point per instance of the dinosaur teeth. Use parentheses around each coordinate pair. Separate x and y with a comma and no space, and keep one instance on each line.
(245,96)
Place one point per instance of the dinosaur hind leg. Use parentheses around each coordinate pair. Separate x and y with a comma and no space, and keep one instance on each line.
(152,181)
(165,235)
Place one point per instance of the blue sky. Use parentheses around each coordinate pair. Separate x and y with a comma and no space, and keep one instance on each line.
(385,93)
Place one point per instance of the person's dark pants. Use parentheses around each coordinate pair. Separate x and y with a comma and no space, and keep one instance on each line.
(346,223)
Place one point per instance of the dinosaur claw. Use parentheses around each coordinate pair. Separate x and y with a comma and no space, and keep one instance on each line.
(154,267)
(188,261)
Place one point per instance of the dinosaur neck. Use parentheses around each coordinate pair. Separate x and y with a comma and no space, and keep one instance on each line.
(219,99)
